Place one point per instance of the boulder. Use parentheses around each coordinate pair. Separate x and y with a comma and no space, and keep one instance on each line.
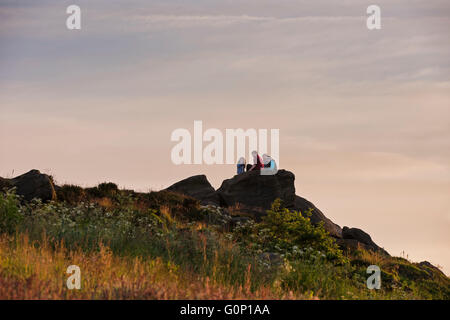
(34,184)
(361,237)
(251,189)
(197,187)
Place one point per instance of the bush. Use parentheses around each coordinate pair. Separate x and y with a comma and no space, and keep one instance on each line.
(105,189)
(10,213)
(70,193)
(181,206)
(290,234)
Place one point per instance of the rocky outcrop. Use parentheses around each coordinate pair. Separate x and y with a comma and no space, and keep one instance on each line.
(317,216)
(32,184)
(197,187)
(254,190)
(254,193)
(350,235)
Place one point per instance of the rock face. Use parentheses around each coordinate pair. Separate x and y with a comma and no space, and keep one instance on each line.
(355,234)
(258,191)
(33,184)
(317,216)
(197,187)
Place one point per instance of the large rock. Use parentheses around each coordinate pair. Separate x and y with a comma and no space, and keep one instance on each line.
(33,184)
(355,234)
(197,187)
(257,192)
(254,190)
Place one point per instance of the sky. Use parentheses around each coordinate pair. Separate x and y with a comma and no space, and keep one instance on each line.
(364,115)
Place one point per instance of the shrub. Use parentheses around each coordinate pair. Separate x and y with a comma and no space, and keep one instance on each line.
(291,234)
(105,189)
(70,193)
(181,206)
(10,213)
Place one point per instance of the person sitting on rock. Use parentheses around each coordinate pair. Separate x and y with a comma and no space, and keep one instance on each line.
(257,162)
(270,166)
(241,165)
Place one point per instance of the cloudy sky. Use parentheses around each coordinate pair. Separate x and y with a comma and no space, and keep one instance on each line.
(364,116)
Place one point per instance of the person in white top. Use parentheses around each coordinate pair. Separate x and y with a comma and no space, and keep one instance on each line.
(270,166)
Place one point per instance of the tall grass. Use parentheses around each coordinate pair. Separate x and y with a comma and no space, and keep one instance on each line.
(36,270)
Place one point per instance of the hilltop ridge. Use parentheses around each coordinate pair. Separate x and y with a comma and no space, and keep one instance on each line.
(273,236)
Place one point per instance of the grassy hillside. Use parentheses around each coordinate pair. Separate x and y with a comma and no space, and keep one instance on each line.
(163,245)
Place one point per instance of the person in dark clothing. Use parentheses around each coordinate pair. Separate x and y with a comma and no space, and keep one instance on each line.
(257,162)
